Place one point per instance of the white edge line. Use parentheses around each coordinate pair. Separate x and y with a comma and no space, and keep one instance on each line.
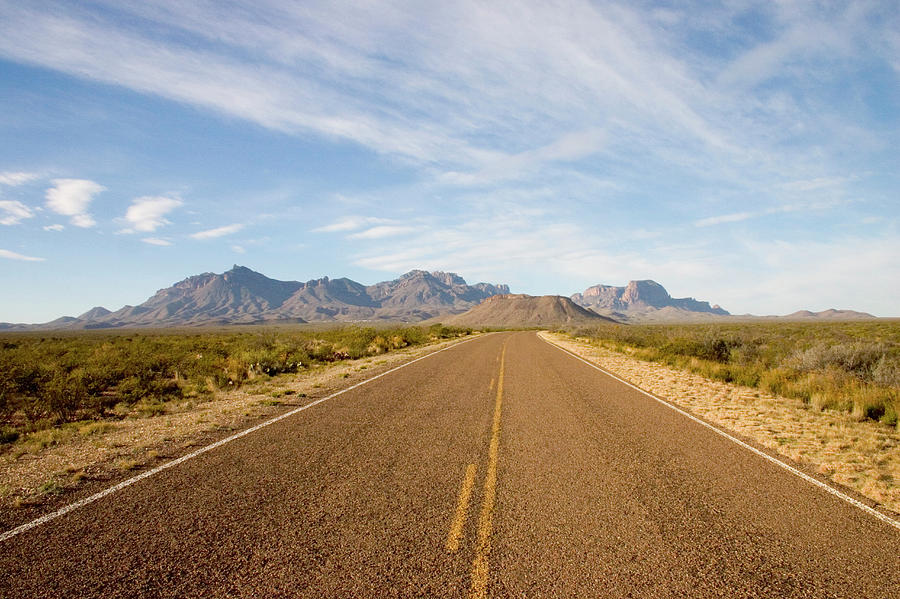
(855,502)
(127,483)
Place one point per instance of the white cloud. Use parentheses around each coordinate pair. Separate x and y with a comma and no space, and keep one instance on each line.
(383,231)
(572,146)
(13,212)
(146,214)
(14,256)
(71,197)
(56,227)
(156,241)
(817,183)
(238,249)
(217,232)
(16,178)
(725,218)
(84,221)
(350,223)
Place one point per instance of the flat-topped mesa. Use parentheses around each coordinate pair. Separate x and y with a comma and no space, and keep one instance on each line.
(640,296)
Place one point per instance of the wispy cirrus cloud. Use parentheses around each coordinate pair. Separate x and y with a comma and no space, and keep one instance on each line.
(784,207)
(72,197)
(382,231)
(16,256)
(349,223)
(478,101)
(13,212)
(17,178)
(725,218)
(156,241)
(818,183)
(146,214)
(572,146)
(217,232)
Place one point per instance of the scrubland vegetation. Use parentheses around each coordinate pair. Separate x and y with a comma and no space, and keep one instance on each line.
(49,380)
(851,366)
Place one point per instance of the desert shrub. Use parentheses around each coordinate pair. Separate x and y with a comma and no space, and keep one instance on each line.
(858,358)
(886,372)
(63,395)
(8,435)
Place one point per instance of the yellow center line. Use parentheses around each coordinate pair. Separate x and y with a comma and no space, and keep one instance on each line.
(480,566)
(462,508)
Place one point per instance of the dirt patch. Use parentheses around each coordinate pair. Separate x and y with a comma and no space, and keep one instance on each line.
(36,474)
(863,456)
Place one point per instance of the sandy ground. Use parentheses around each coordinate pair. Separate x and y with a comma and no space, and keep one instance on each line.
(107,451)
(863,456)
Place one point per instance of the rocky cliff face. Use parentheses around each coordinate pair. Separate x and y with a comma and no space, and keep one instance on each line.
(642,297)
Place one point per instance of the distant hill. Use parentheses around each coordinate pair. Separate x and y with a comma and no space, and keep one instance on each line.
(244,296)
(526,311)
(830,314)
(645,301)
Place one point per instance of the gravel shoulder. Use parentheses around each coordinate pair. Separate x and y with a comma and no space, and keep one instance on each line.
(862,456)
(86,457)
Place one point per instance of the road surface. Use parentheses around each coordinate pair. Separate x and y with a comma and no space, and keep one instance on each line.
(501,467)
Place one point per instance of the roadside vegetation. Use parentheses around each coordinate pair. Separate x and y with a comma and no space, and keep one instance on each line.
(852,367)
(48,381)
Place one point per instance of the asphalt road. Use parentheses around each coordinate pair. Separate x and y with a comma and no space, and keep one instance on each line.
(502,467)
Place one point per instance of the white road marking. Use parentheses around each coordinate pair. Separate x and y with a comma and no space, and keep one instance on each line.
(870,510)
(127,483)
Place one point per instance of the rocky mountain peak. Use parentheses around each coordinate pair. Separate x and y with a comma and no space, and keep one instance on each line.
(94,313)
(646,292)
(448,278)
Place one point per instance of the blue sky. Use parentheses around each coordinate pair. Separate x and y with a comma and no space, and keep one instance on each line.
(744,153)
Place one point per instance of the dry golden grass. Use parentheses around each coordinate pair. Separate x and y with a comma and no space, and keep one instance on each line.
(864,456)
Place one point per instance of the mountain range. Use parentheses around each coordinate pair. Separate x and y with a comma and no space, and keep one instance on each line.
(243,296)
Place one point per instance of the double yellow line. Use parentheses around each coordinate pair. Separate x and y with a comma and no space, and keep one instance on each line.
(480,565)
